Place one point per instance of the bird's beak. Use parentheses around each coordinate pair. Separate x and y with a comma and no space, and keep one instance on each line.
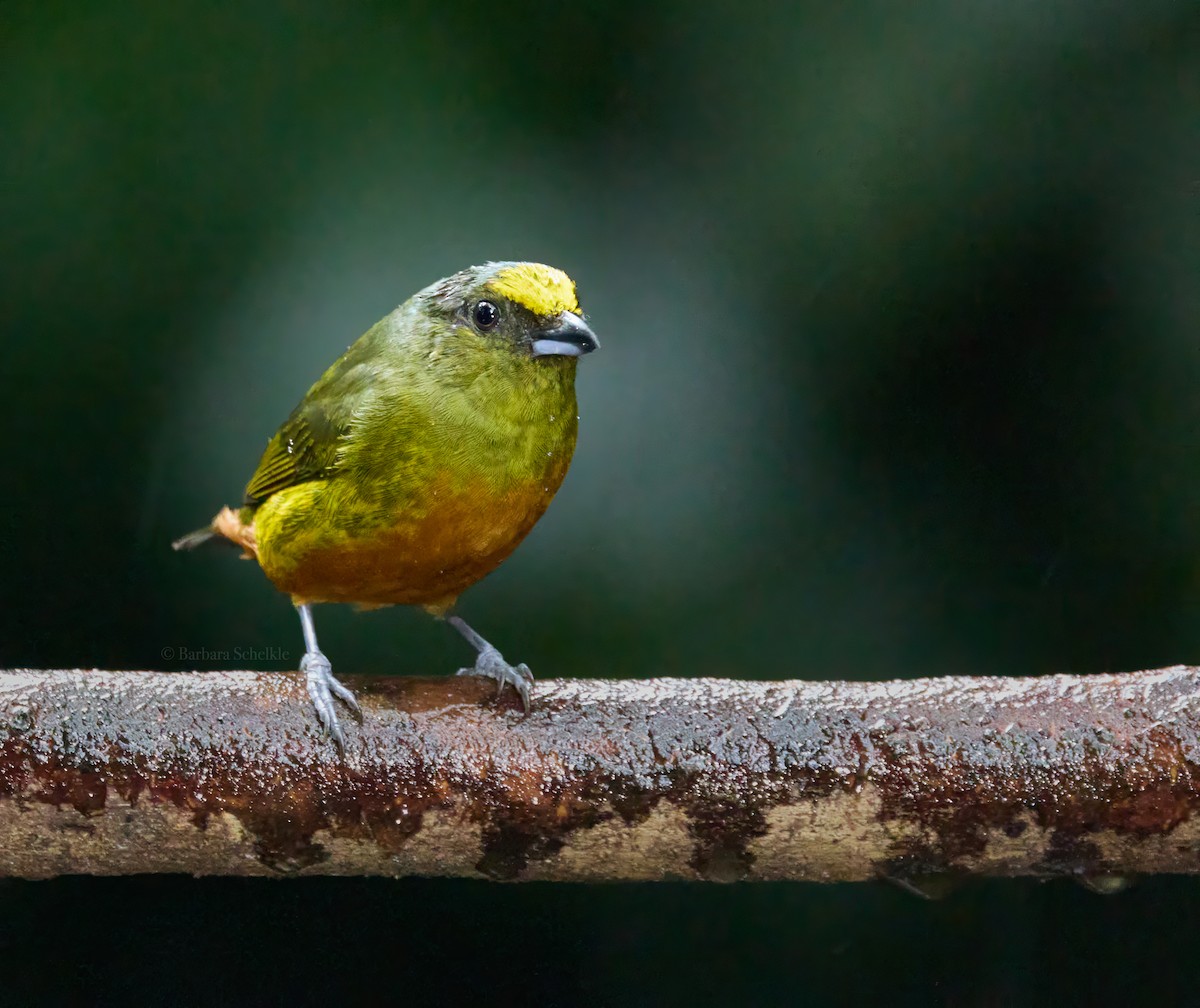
(569,336)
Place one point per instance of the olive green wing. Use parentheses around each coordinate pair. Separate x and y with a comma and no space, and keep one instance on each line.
(305,448)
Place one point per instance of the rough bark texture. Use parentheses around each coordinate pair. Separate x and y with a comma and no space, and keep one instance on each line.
(225,773)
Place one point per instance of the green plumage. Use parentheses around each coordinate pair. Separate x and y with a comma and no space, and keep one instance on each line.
(419,418)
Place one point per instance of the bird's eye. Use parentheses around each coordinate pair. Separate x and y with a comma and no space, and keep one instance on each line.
(487,315)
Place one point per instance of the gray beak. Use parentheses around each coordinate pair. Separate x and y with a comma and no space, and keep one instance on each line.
(568,337)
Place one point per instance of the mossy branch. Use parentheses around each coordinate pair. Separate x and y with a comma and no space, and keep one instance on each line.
(225,773)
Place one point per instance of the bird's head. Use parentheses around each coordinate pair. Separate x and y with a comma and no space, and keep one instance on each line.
(532,308)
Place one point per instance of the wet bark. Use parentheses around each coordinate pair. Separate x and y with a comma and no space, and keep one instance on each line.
(226,773)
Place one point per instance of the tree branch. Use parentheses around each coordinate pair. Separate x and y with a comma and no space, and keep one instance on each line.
(226,773)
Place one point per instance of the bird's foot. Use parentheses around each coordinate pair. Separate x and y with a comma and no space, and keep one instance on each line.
(491,664)
(322,688)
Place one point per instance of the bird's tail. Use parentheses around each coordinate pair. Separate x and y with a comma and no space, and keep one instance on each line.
(233,527)
(194,539)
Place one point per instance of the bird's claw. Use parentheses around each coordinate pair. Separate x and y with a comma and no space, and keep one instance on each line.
(322,688)
(492,665)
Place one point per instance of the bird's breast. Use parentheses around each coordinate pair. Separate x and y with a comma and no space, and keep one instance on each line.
(419,532)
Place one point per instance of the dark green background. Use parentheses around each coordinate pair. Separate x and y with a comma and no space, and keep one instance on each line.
(899,310)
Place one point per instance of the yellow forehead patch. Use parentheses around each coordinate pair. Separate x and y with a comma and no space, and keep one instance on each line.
(544,290)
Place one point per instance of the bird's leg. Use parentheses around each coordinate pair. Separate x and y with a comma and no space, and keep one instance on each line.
(322,686)
(491,663)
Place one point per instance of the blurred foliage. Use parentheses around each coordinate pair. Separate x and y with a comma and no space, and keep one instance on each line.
(899,312)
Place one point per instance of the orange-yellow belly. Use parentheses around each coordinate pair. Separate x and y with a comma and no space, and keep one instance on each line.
(317,548)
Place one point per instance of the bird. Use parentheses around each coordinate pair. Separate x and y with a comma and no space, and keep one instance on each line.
(419,460)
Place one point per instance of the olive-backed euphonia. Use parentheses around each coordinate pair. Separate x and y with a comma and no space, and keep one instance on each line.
(420,459)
